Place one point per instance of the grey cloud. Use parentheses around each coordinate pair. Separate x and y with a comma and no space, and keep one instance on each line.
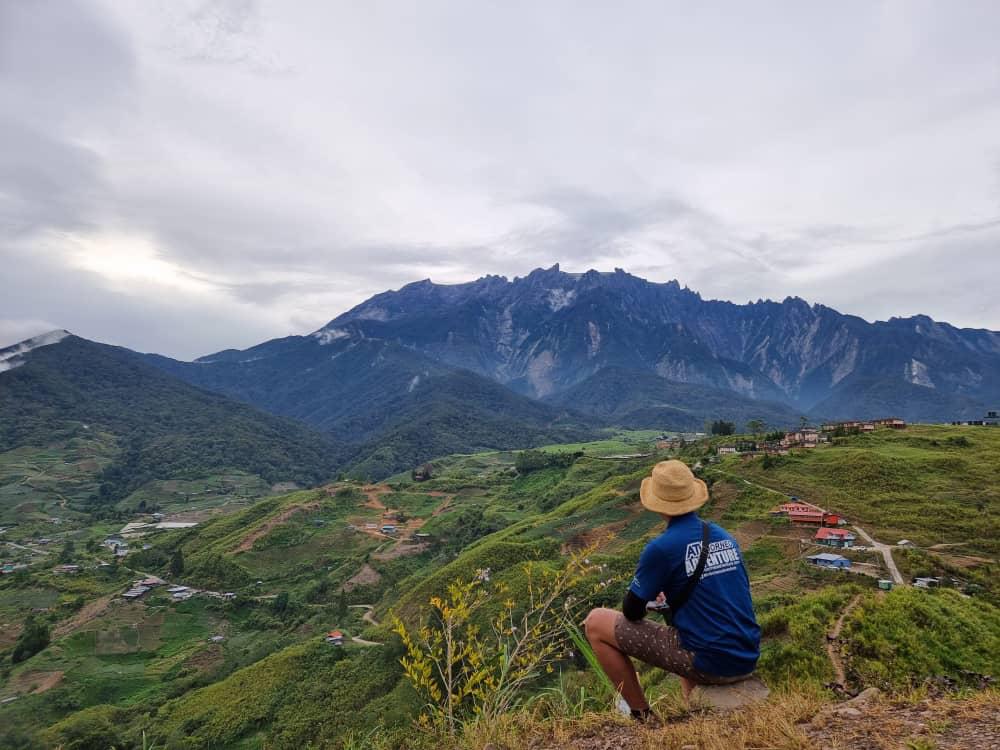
(296,160)
(46,182)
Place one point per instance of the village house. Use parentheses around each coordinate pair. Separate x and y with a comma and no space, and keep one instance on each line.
(217,639)
(885,584)
(849,426)
(834,537)
(905,543)
(724,450)
(135,592)
(893,423)
(992,419)
(335,638)
(388,528)
(422,473)
(775,448)
(66,569)
(829,560)
(800,512)
(668,444)
(926,583)
(807,437)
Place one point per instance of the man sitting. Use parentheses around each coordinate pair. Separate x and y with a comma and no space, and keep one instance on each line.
(714,638)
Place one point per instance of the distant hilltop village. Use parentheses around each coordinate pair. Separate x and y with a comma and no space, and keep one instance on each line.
(808,437)
(992,419)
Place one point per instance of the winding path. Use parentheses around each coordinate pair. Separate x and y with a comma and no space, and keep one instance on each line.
(368,616)
(831,642)
(886,550)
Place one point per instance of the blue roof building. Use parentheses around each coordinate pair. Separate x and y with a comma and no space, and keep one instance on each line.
(828,560)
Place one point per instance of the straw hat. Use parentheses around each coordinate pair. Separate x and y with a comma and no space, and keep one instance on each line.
(672,489)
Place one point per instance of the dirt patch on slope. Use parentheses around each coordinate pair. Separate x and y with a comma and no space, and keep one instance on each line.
(599,537)
(748,533)
(33,683)
(206,659)
(373,493)
(367,576)
(271,524)
(723,495)
(401,550)
(88,612)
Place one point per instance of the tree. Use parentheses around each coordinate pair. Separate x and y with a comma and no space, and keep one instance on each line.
(177,563)
(721,427)
(756,426)
(803,422)
(462,666)
(68,552)
(33,638)
(281,602)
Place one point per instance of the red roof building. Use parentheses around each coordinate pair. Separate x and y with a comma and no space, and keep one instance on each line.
(834,537)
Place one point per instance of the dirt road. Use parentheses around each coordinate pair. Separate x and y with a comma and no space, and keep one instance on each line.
(886,551)
(368,616)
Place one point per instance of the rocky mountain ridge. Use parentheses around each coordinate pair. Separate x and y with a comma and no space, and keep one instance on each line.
(549,330)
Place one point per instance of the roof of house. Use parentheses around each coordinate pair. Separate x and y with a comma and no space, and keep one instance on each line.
(828,557)
(799,505)
(334,634)
(826,533)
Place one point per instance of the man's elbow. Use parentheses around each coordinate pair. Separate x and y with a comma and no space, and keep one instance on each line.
(633,607)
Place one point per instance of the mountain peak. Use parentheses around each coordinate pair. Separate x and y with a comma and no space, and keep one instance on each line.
(14,356)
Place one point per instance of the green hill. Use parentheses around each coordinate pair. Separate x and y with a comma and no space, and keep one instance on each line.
(304,563)
(157,427)
(934,485)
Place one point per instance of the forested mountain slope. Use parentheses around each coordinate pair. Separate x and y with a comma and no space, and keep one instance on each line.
(643,400)
(163,427)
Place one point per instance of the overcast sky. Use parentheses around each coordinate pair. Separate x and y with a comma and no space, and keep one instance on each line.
(184,177)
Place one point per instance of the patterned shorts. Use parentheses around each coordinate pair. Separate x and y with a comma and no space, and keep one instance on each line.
(660,645)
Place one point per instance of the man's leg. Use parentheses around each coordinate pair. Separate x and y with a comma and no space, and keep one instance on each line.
(687,685)
(600,627)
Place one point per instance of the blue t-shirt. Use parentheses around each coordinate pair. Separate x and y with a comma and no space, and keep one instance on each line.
(717,623)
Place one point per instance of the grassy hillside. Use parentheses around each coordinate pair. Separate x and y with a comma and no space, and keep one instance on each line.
(306,562)
(162,427)
(933,485)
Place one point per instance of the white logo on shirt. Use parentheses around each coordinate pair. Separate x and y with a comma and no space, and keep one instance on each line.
(723,556)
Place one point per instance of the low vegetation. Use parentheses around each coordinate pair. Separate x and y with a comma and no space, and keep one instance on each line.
(471,546)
